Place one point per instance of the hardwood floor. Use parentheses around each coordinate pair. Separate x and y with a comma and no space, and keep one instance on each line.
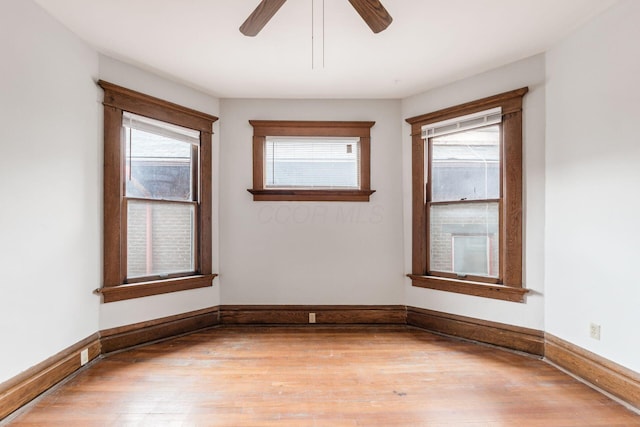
(321,376)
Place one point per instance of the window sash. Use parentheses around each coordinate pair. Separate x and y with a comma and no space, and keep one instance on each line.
(195,236)
(194,158)
(492,231)
(477,158)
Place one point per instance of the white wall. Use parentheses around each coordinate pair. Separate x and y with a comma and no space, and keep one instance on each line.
(50,177)
(528,72)
(141,309)
(310,252)
(593,181)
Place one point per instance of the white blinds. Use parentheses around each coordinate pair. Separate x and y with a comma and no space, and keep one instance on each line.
(312,162)
(462,123)
(134,121)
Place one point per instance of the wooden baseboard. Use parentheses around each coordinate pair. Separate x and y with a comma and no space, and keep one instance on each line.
(602,373)
(124,337)
(512,337)
(299,314)
(24,387)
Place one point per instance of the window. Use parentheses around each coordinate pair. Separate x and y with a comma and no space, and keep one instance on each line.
(157,196)
(311,161)
(467,198)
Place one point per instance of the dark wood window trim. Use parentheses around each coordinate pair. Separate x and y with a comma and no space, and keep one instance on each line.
(509,287)
(116,100)
(264,128)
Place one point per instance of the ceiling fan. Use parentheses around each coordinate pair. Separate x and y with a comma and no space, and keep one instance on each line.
(372,11)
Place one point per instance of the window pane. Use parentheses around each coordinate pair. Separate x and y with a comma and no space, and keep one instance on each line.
(160,238)
(312,163)
(464,238)
(466,165)
(159,166)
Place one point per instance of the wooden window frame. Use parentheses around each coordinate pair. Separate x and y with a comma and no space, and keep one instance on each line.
(509,287)
(265,128)
(115,287)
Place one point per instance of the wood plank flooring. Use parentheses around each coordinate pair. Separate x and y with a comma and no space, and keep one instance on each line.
(321,376)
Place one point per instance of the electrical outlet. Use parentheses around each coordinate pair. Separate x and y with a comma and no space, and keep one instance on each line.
(84,357)
(594,331)
(312,318)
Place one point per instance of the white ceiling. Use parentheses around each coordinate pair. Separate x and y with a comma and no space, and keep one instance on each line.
(429,42)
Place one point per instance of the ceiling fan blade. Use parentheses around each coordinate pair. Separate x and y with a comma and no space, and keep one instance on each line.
(373,13)
(260,16)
